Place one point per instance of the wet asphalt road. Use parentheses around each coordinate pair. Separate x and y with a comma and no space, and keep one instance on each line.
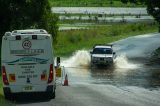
(132,82)
(95,95)
(102,87)
(77,95)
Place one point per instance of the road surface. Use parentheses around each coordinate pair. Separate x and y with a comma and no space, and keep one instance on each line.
(132,82)
(97,95)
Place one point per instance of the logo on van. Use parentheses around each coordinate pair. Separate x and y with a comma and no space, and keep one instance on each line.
(26,44)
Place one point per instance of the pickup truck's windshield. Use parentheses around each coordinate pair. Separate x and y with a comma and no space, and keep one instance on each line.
(102,51)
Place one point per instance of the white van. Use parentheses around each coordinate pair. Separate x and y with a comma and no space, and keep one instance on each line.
(27,62)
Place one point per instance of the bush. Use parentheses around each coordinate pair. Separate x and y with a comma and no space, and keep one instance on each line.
(133,27)
(115,31)
(74,38)
(139,27)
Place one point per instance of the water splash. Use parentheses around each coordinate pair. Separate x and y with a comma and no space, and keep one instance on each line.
(122,62)
(81,58)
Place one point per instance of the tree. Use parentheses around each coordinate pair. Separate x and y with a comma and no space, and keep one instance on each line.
(25,14)
(124,1)
(153,8)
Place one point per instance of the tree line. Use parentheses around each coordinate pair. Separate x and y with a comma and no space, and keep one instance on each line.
(27,14)
(153,7)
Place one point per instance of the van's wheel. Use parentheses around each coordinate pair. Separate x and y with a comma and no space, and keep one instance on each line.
(8,96)
(52,94)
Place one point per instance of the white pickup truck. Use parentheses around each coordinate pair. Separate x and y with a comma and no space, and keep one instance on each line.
(102,55)
(27,62)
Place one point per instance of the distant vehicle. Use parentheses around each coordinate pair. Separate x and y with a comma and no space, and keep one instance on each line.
(102,55)
(27,62)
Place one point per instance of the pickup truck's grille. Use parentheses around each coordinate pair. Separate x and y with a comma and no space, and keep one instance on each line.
(109,58)
(101,58)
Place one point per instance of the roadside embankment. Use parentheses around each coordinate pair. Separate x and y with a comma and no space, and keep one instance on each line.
(69,41)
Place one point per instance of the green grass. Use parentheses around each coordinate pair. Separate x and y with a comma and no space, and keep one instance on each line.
(92,3)
(4,102)
(72,40)
(1,86)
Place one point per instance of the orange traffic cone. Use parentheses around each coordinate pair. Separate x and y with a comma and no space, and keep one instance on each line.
(66,81)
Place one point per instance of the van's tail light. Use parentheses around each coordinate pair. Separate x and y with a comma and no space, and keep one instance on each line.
(50,78)
(4,75)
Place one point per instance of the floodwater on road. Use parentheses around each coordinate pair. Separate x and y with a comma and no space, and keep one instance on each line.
(116,15)
(131,65)
(127,19)
(99,10)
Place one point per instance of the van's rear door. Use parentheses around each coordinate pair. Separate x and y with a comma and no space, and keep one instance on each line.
(30,59)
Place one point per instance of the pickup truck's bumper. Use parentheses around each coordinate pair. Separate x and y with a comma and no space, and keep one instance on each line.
(102,61)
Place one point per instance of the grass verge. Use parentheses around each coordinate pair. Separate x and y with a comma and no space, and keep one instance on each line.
(72,40)
(4,102)
(92,3)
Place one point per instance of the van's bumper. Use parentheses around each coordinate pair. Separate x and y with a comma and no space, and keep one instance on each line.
(36,88)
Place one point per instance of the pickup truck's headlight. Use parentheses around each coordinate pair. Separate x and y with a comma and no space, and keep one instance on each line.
(94,58)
